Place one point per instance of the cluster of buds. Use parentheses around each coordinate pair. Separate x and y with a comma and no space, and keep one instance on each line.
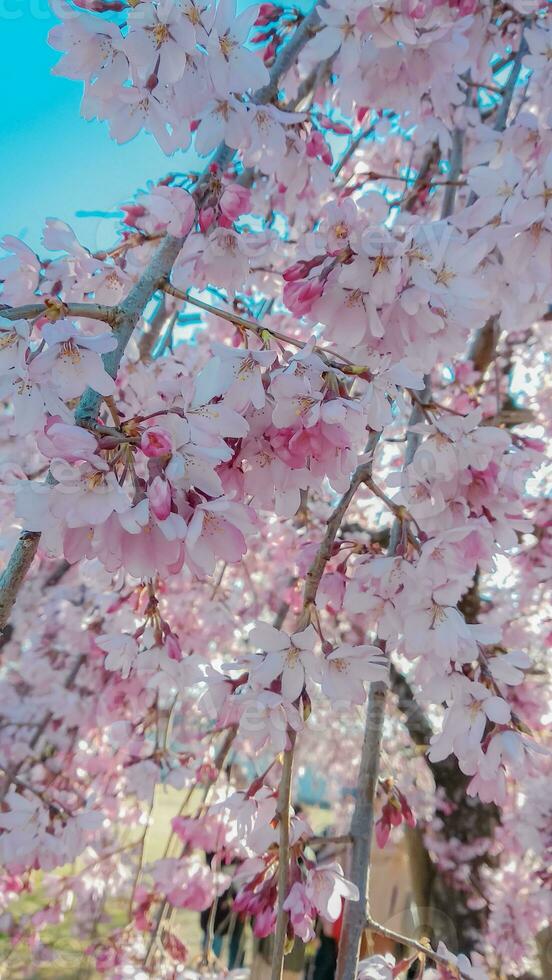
(394,811)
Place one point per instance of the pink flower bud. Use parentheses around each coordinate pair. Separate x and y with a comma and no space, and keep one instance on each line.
(156,441)
(133,212)
(268,12)
(65,441)
(260,37)
(299,270)
(382,830)
(317,147)
(159,496)
(235,200)
(174,947)
(300,297)
(341,129)
(269,53)
(264,923)
(206,218)
(172,646)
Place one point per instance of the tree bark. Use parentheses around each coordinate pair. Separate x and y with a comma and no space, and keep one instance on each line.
(362,826)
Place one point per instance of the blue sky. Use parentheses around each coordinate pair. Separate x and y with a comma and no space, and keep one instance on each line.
(53,162)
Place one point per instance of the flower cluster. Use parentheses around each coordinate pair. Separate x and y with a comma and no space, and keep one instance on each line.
(274,454)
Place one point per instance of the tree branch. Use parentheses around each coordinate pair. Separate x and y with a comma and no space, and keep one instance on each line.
(417,723)
(15,572)
(312,582)
(93,311)
(414,944)
(504,107)
(284,802)
(288,54)
(362,823)
(362,826)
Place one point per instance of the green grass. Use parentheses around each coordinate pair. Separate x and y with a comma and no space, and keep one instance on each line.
(65,948)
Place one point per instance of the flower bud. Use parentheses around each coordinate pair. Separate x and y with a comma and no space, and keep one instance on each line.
(156,441)
(159,496)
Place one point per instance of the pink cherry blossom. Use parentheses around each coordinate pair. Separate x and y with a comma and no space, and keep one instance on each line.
(326,886)
(156,441)
(346,668)
(230,62)
(274,445)
(75,359)
(301,912)
(158,40)
(285,657)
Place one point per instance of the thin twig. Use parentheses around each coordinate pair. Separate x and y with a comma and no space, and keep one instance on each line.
(14,771)
(414,944)
(93,311)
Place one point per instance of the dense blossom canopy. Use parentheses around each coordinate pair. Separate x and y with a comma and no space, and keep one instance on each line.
(278,452)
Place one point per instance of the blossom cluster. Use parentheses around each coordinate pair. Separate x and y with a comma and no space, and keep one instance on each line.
(326,483)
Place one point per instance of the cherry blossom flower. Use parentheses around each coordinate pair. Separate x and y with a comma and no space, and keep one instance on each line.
(19,272)
(345,669)
(88,495)
(74,359)
(540,48)
(301,912)
(169,209)
(236,374)
(286,657)
(218,122)
(340,31)
(72,443)
(121,652)
(217,530)
(232,66)
(497,188)
(326,886)
(266,717)
(93,53)
(158,39)
(30,391)
(14,341)
(462,963)
(380,967)
(139,108)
